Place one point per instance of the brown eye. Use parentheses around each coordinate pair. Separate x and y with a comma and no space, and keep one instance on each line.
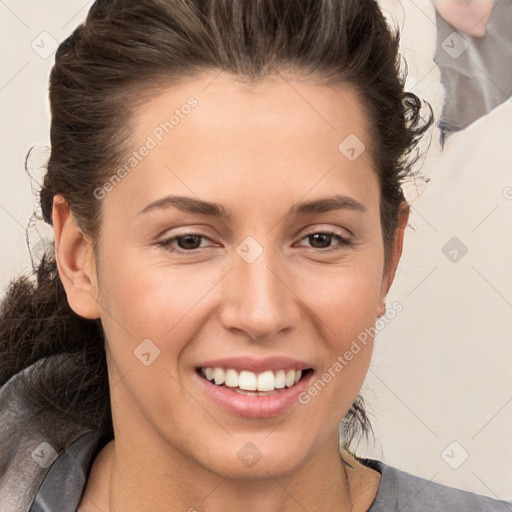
(189,242)
(321,241)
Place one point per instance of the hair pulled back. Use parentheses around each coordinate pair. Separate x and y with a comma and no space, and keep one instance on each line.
(124,51)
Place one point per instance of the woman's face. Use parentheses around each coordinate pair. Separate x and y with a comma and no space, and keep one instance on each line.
(254,290)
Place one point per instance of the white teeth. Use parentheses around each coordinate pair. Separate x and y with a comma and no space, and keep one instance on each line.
(266,381)
(218,375)
(290,378)
(280,379)
(249,381)
(254,393)
(231,379)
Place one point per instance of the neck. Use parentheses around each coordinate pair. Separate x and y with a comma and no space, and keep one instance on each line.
(126,482)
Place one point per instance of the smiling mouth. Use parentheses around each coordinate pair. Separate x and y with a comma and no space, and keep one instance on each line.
(249,383)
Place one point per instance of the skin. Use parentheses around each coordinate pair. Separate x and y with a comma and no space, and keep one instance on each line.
(257,150)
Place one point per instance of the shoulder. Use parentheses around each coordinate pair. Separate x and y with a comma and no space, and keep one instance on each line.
(35,442)
(400,490)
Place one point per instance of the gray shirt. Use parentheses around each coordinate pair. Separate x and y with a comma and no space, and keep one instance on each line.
(398,490)
(476,72)
(45,462)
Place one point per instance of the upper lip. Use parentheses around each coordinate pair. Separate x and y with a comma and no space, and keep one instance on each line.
(256,365)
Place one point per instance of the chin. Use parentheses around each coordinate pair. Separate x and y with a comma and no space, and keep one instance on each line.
(249,463)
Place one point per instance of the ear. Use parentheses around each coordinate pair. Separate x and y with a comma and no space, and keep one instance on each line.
(396,253)
(75,261)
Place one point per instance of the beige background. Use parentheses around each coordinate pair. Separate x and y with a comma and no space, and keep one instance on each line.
(440,384)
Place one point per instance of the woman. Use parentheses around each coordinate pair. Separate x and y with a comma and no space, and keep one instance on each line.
(225,191)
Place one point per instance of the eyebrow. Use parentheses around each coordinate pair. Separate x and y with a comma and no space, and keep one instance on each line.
(197,206)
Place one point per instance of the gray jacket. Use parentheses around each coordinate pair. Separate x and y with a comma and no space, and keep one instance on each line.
(45,461)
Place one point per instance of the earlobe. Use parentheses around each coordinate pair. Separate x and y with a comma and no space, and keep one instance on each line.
(75,261)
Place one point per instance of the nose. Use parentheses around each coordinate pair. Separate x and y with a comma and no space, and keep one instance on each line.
(258,299)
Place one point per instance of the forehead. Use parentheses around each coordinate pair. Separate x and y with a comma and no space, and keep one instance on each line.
(214,134)
(277,102)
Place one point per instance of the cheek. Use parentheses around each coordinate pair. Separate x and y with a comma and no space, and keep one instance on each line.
(347,309)
(346,298)
(152,301)
(345,301)
(165,302)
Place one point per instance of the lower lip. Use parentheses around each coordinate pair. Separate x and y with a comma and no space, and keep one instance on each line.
(265,406)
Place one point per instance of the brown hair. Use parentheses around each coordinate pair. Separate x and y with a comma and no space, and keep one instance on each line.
(127,49)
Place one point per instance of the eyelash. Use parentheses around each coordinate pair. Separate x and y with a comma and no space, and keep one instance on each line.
(344,242)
